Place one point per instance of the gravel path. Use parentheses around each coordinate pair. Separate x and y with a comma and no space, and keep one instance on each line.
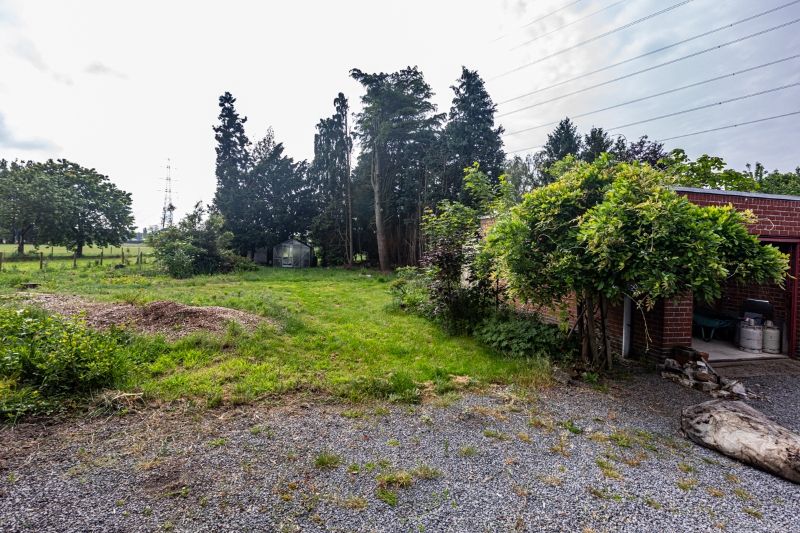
(569,459)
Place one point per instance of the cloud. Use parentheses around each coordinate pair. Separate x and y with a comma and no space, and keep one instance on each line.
(9,140)
(100,69)
(26,50)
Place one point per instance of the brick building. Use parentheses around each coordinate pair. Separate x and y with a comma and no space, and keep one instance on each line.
(655,333)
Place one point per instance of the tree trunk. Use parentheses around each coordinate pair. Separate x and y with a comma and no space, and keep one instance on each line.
(380,230)
(591,331)
(20,243)
(79,249)
(739,431)
(604,327)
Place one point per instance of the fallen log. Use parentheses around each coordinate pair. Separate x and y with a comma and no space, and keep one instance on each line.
(739,431)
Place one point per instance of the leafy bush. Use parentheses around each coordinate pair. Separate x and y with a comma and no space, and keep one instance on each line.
(44,357)
(197,245)
(410,290)
(525,336)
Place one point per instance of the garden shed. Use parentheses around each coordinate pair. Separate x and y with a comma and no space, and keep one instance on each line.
(292,254)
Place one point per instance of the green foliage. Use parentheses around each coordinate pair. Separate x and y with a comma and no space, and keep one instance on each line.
(707,172)
(197,245)
(605,229)
(525,336)
(409,289)
(44,357)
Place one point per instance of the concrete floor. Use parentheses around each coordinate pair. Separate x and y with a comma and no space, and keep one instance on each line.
(726,351)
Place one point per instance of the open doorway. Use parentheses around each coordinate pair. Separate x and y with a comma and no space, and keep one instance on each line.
(750,322)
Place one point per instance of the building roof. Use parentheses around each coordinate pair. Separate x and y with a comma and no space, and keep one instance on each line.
(745,194)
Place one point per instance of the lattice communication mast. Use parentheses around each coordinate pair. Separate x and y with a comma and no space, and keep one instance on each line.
(169,208)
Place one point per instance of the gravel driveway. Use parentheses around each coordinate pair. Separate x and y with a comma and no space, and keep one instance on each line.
(571,458)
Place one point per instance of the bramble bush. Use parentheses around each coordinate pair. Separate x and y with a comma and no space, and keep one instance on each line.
(44,357)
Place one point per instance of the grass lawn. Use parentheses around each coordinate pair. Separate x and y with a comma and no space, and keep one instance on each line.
(331,332)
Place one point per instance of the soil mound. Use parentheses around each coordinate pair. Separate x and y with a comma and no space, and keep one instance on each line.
(171,319)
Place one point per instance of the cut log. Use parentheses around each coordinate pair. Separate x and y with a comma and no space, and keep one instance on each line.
(739,431)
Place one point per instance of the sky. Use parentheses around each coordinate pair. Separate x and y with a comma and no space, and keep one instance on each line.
(124,86)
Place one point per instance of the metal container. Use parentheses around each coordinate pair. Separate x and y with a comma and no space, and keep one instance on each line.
(772,339)
(751,338)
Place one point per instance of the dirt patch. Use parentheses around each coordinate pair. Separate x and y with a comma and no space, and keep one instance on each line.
(171,319)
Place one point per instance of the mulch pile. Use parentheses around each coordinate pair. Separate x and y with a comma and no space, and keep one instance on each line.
(171,319)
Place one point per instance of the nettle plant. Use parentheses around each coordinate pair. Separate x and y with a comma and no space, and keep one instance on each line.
(605,230)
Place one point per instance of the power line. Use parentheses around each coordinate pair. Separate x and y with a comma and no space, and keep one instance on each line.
(662,93)
(596,37)
(648,69)
(546,15)
(729,126)
(706,106)
(657,50)
(556,30)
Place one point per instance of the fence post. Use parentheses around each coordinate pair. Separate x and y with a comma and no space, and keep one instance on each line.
(1,261)
(51,251)
(122,255)
(101,257)
(75,259)
(41,260)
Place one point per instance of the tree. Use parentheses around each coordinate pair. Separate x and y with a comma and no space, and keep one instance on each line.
(27,199)
(596,142)
(706,172)
(521,175)
(470,135)
(396,129)
(90,210)
(643,151)
(232,197)
(605,230)
(563,141)
(776,182)
(332,228)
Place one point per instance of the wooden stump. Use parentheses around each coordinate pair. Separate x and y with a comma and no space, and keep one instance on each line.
(739,431)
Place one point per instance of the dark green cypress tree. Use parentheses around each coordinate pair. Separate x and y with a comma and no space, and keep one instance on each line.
(470,135)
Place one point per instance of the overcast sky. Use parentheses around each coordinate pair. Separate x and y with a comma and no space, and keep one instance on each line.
(122,86)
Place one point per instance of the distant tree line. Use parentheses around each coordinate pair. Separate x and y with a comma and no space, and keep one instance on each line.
(61,203)
(369,204)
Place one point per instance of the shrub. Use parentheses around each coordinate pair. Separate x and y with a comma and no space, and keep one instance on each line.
(44,357)
(197,245)
(410,290)
(525,336)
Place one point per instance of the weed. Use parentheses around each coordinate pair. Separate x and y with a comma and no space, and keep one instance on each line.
(742,494)
(621,438)
(353,469)
(570,426)
(650,502)
(561,447)
(553,481)
(687,484)
(755,513)
(544,423)
(396,478)
(468,451)
(327,460)
(597,436)
(634,460)
(387,496)
(218,443)
(608,469)
(604,494)
(426,472)
(732,478)
(353,413)
(715,492)
(524,437)
(492,434)
(686,468)
(355,503)
(393,442)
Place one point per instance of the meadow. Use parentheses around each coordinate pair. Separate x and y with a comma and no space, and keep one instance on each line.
(328,332)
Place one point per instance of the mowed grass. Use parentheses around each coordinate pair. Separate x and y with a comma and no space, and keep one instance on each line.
(58,257)
(332,332)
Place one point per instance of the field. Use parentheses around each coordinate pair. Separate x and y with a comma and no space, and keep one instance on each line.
(58,257)
(327,332)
